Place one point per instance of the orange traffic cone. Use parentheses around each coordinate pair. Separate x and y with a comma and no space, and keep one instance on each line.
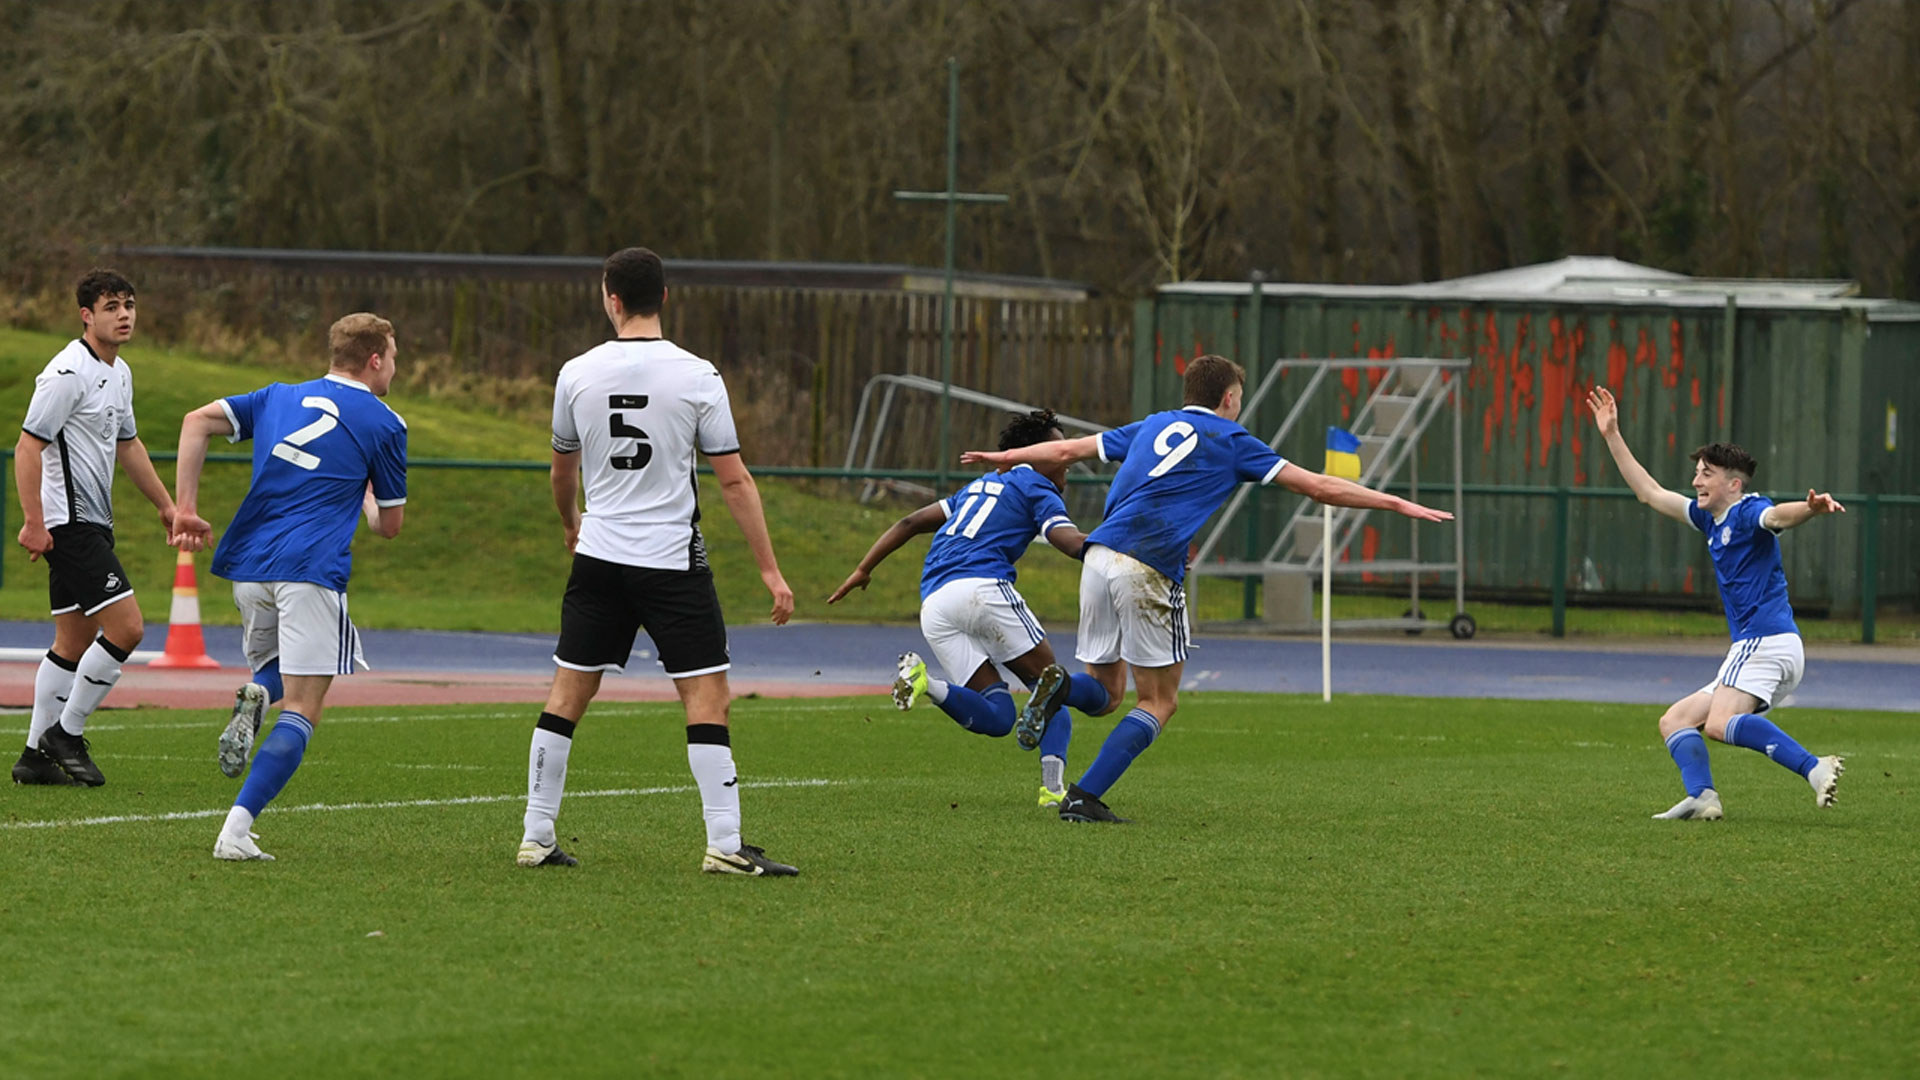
(186,648)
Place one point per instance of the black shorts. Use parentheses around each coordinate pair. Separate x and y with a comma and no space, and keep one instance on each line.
(83,573)
(607,604)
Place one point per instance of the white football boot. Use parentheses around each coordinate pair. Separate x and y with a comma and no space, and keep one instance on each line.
(1825,779)
(1702,807)
(241,849)
(236,742)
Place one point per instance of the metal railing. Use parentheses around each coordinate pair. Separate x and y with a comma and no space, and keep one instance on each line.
(1870,506)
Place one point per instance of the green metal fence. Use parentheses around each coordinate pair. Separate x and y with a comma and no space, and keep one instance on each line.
(1870,507)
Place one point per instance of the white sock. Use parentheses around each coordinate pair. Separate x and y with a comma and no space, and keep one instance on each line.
(239,823)
(546,777)
(936,690)
(96,673)
(710,756)
(52,685)
(1053,773)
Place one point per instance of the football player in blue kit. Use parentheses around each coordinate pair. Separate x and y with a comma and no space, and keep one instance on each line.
(1765,662)
(974,619)
(1176,468)
(325,452)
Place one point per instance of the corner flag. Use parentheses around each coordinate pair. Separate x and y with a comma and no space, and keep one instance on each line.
(1343,454)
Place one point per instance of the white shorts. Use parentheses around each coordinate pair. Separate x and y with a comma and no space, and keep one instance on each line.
(1768,667)
(970,621)
(1130,611)
(303,624)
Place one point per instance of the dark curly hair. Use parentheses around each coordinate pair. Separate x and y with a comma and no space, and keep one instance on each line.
(99,282)
(1025,429)
(1728,456)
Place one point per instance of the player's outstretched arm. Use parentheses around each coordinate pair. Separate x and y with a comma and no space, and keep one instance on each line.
(190,531)
(1334,491)
(924,520)
(1606,417)
(1055,452)
(1783,516)
(743,502)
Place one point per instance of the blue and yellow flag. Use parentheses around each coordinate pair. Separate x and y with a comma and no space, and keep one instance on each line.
(1343,454)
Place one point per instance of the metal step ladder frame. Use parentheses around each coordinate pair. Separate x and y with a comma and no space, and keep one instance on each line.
(1400,443)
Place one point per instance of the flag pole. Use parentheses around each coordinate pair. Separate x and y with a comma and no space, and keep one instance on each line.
(1326,604)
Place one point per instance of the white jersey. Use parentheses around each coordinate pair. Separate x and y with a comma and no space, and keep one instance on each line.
(82,408)
(636,409)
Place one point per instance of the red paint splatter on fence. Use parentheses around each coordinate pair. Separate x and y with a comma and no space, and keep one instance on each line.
(1179,364)
(1676,357)
(1686,585)
(1369,547)
(1643,351)
(1696,391)
(1616,367)
(1346,412)
(1159,350)
(1670,442)
(1356,339)
(1350,378)
(1496,359)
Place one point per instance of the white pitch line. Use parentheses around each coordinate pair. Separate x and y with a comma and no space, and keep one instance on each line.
(398,804)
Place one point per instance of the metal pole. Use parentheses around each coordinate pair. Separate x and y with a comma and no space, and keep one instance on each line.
(1326,603)
(1250,587)
(1562,525)
(946,306)
(1869,567)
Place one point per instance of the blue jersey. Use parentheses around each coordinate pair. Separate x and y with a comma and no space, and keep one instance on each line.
(316,445)
(1746,563)
(989,524)
(1176,469)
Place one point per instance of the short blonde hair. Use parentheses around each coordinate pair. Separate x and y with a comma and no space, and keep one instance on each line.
(357,336)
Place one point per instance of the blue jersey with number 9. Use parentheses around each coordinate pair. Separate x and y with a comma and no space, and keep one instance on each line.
(1177,467)
(316,445)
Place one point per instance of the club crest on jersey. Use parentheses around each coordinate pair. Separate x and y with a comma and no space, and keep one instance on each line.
(1726,535)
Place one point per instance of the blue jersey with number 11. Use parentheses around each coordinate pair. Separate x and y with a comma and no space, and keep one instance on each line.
(989,524)
(1177,467)
(316,445)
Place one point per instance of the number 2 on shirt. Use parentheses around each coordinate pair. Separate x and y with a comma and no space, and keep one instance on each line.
(288,449)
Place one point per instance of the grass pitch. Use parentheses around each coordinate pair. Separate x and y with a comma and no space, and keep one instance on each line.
(1380,886)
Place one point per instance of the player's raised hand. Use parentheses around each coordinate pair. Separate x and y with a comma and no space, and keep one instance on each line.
(37,540)
(1606,411)
(782,596)
(1824,503)
(995,458)
(189,531)
(856,580)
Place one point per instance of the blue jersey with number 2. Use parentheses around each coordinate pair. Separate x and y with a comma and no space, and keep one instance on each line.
(1176,469)
(989,524)
(316,445)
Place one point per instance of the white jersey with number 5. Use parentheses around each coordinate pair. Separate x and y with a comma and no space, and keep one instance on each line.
(636,410)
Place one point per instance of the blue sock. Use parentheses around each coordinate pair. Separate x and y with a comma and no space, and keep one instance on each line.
(1086,694)
(1756,732)
(274,762)
(269,677)
(1059,733)
(1689,751)
(989,713)
(1134,733)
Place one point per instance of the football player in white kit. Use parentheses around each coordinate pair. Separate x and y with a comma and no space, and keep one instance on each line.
(79,423)
(1766,661)
(630,415)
